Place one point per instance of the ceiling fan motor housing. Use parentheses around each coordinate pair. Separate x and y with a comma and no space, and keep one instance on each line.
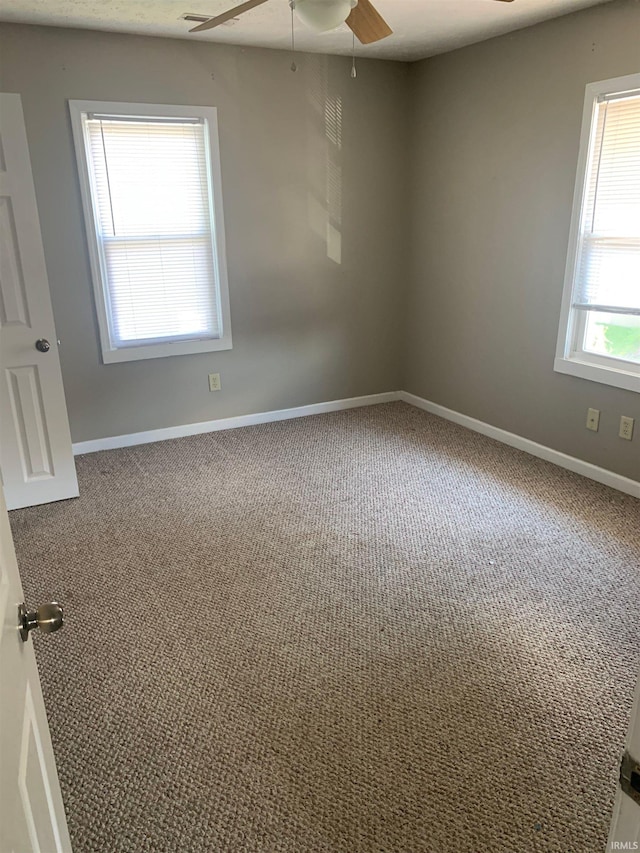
(323,15)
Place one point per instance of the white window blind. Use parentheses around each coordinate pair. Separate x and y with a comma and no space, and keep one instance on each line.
(150,185)
(608,262)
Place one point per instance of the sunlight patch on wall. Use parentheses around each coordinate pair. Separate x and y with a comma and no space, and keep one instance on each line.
(325,158)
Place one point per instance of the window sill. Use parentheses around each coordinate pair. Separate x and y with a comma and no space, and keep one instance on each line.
(113,356)
(626,379)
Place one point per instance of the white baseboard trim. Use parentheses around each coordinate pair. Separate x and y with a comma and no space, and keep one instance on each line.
(116,441)
(578,466)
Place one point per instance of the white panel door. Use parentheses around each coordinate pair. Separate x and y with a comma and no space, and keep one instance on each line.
(625,824)
(31,812)
(36,459)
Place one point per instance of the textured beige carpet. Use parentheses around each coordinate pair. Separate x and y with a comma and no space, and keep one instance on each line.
(364,631)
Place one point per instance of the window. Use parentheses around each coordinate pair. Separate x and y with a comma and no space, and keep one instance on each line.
(599,336)
(150,180)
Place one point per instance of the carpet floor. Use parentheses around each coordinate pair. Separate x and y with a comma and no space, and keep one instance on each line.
(364,631)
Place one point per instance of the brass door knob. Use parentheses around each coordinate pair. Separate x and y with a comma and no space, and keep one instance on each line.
(43,345)
(48,617)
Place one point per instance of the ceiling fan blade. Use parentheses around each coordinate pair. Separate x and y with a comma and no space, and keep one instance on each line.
(226,16)
(367,24)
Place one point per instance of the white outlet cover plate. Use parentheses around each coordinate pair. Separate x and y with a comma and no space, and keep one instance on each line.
(593,419)
(626,428)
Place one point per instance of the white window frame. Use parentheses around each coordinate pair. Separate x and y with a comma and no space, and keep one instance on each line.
(569,358)
(110,354)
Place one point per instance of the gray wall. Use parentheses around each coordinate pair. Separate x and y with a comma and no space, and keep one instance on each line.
(455,180)
(495,134)
(305,328)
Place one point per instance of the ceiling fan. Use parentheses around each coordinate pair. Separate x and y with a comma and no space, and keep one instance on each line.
(360,16)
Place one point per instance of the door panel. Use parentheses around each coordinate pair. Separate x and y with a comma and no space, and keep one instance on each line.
(36,457)
(13,298)
(625,823)
(29,422)
(31,812)
(35,792)
(625,831)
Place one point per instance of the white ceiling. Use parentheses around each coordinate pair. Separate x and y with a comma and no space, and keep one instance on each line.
(421,27)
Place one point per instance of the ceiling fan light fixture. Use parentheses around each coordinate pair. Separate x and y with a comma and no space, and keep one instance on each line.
(323,15)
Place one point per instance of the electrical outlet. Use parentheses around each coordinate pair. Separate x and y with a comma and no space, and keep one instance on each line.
(626,428)
(593,419)
(214,382)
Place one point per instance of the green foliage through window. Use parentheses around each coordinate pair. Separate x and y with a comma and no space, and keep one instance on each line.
(622,341)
